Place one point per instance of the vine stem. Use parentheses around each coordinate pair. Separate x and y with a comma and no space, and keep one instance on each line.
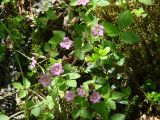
(19,65)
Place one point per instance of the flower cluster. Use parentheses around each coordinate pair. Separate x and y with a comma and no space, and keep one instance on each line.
(94,98)
(32,64)
(98,30)
(56,69)
(83,2)
(66,43)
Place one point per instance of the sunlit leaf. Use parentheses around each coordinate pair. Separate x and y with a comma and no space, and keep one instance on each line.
(147,2)
(102,3)
(72,83)
(4,117)
(26,83)
(23,93)
(73,75)
(118,116)
(111,103)
(116,95)
(18,85)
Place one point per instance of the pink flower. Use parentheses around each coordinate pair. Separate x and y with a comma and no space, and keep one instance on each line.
(32,64)
(95,97)
(83,2)
(69,96)
(81,91)
(45,80)
(56,69)
(98,30)
(66,43)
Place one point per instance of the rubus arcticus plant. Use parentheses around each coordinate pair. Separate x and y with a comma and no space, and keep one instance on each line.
(73,59)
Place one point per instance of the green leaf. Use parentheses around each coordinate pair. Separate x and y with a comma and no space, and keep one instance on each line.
(118,116)
(51,15)
(18,85)
(26,83)
(77,42)
(72,83)
(23,93)
(49,102)
(84,114)
(54,53)
(102,3)
(73,2)
(29,104)
(110,44)
(119,59)
(105,91)
(38,109)
(125,19)
(129,37)
(104,52)
(88,58)
(101,109)
(95,57)
(57,38)
(116,95)
(90,19)
(79,29)
(4,117)
(79,54)
(47,47)
(127,91)
(87,47)
(73,75)
(111,103)
(110,29)
(138,12)
(75,113)
(51,105)
(146,2)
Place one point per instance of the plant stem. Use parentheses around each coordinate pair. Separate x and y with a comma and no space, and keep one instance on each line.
(19,65)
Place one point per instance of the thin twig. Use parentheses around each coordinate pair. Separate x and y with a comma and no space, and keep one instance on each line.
(15,114)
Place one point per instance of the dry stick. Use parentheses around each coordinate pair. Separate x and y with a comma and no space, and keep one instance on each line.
(15,114)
